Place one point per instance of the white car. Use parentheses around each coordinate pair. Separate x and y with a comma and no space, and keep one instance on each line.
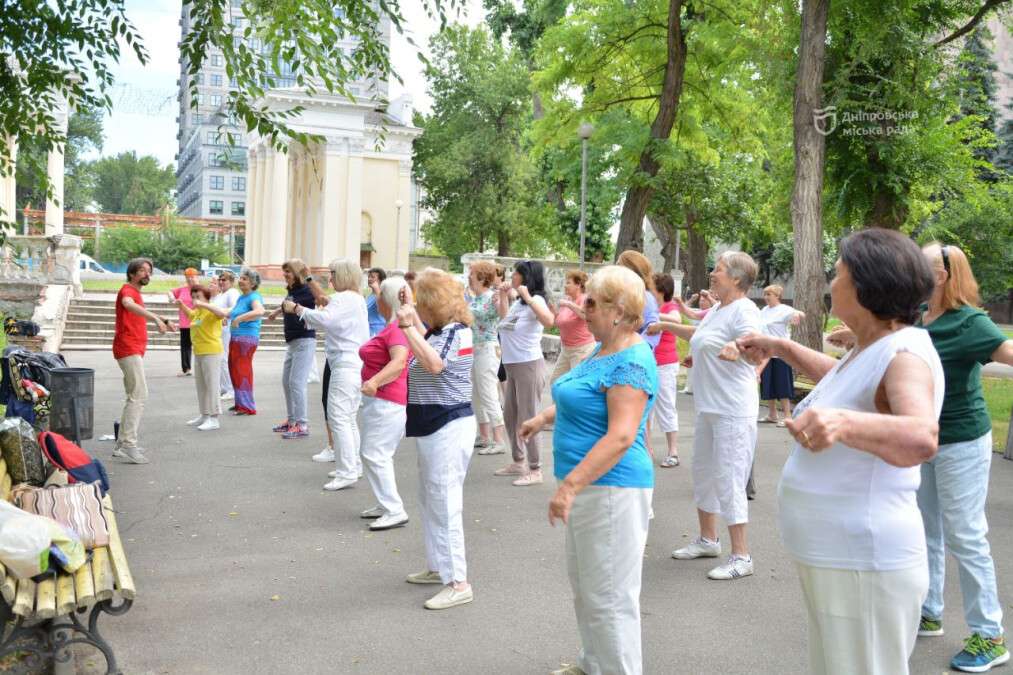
(88,264)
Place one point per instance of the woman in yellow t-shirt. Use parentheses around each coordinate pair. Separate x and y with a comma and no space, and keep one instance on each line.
(206,334)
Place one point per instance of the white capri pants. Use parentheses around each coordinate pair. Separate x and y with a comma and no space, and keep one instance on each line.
(862,622)
(225,379)
(664,415)
(485,384)
(723,449)
(605,539)
(443,462)
(343,397)
(383,425)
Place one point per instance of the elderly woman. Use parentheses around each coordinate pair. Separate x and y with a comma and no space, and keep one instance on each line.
(300,351)
(725,396)
(955,483)
(244,321)
(641,266)
(605,473)
(384,398)
(777,381)
(184,296)
(485,386)
(577,341)
(440,419)
(848,511)
(226,299)
(665,414)
(346,328)
(206,333)
(520,331)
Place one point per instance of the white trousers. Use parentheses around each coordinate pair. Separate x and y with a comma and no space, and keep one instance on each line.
(485,384)
(664,414)
(605,539)
(343,397)
(225,379)
(723,449)
(862,623)
(443,462)
(383,425)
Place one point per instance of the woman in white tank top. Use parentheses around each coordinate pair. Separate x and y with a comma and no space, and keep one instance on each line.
(848,510)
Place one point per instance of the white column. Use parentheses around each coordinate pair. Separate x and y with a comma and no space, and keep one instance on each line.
(265,206)
(8,184)
(277,226)
(252,194)
(54,171)
(297,169)
(341,201)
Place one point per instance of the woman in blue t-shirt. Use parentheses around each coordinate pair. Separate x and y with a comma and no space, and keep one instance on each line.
(244,321)
(605,474)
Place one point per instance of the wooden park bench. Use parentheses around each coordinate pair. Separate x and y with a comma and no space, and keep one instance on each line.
(44,616)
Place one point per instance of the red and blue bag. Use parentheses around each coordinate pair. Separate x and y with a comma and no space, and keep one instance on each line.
(81,467)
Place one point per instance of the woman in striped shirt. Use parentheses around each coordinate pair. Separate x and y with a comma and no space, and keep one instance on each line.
(443,424)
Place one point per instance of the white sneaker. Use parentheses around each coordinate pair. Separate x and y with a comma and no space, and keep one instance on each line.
(698,548)
(375,512)
(196,421)
(210,424)
(229,396)
(389,521)
(131,455)
(736,567)
(339,484)
(448,598)
(492,449)
(427,577)
(324,456)
(334,474)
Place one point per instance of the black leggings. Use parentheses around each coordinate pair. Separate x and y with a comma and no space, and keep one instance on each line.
(184,349)
(326,385)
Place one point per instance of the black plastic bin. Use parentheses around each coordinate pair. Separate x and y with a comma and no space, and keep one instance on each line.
(72,397)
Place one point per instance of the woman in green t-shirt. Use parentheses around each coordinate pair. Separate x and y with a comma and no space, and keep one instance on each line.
(955,482)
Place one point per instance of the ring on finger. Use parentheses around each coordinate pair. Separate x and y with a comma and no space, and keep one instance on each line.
(805,439)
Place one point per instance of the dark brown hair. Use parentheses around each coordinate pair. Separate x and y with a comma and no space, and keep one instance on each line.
(891,275)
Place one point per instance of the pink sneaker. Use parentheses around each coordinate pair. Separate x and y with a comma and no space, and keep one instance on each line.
(296,431)
(281,428)
(513,469)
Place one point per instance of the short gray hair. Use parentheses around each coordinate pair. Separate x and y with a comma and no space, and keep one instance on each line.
(741,267)
(390,292)
(346,274)
(251,274)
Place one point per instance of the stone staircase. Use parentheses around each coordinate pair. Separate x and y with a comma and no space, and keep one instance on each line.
(91,323)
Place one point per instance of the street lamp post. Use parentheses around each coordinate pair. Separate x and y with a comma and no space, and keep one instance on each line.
(584,132)
(397,231)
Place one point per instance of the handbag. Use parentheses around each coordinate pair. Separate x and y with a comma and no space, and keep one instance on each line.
(77,507)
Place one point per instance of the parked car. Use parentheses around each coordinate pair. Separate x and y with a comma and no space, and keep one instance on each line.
(88,264)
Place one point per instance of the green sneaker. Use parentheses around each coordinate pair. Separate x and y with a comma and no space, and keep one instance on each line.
(980,654)
(930,627)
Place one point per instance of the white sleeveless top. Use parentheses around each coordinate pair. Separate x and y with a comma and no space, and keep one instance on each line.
(848,509)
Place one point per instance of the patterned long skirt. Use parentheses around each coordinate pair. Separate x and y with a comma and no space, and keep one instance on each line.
(241,350)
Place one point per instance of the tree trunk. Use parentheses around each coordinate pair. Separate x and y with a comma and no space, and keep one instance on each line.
(696,261)
(810,154)
(886,211)
(503,243)
(667,235)
(631,224)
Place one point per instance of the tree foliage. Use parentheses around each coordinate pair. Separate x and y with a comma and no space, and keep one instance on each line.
(471,159)
(127,183)
(173,247)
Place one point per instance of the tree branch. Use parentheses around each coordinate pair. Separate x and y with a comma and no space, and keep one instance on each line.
(975,20)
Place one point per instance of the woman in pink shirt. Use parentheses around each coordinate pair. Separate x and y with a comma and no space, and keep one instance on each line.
(183,295)
(384,408)
(664,415)
(577,341)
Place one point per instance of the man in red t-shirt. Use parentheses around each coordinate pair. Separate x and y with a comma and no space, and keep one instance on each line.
(129,345)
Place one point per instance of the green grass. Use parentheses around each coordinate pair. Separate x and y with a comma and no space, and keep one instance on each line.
(268,288)
(999,400)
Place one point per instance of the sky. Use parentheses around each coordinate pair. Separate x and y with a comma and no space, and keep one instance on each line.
(144,98)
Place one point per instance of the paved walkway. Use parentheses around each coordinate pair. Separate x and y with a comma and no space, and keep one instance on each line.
(244,565)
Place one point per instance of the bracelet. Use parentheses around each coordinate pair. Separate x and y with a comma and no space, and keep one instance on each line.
(405,326)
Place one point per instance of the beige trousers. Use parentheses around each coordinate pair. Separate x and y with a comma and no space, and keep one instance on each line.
(207,373)
(485,384)
(524,386)
(569,357)
(137,393)
(862,623)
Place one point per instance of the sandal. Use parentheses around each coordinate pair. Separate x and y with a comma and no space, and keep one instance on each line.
(669,462)
(767,419)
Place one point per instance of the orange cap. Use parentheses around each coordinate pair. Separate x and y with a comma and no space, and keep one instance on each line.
(191,272)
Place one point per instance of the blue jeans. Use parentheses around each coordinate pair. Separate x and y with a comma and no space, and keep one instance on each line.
(952,501)
(299,355)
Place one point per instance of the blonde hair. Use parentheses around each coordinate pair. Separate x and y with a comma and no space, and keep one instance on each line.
(741,267)
(960,287)
(619,287)
(346,274)
(640,265)
(298,269)
(484,271)
(441,298)
(775,289)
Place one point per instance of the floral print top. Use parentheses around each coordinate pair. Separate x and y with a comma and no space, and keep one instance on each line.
(483,307)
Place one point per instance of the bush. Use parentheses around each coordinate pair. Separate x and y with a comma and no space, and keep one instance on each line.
(172,248)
